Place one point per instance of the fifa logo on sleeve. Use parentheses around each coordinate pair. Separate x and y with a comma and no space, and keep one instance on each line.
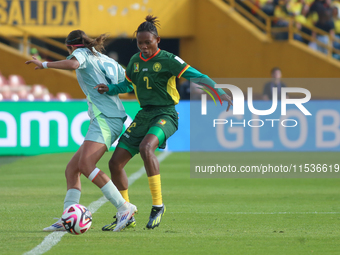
(238,100)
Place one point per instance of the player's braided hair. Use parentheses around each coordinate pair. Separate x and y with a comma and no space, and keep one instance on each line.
(150,25)
(78,37)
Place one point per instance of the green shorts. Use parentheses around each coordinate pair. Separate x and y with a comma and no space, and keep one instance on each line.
(164,117)
(104,130)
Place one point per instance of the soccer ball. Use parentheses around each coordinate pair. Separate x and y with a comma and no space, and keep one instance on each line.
(77,219)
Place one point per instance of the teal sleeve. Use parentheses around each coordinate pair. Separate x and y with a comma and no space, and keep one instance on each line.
(122,87)
(202,79)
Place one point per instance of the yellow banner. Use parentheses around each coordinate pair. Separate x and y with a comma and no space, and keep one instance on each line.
(120,18)
(39,13)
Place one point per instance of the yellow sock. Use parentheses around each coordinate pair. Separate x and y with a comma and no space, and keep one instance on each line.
(125,195)
(155,188)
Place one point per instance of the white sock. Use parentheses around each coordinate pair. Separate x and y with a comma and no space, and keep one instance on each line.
(124,207)
(112,194)
(72,197)
(94,174)
(158,205)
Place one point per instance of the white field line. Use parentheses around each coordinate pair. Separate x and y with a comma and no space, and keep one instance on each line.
(54,238)
(264,213)
(282,213)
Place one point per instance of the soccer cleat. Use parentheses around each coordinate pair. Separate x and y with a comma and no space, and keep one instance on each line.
(155,216)
(131,224)
(124,217)
(58,226)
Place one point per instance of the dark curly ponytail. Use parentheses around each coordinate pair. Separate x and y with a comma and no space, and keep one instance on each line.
(150,25)
(81,40)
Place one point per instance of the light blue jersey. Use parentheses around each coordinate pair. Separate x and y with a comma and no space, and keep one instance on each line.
(96,69)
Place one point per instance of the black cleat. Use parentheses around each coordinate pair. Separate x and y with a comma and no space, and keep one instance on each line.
(155,216)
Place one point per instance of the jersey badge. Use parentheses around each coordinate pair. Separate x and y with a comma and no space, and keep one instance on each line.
(157,67)
(161,122)
(136,67)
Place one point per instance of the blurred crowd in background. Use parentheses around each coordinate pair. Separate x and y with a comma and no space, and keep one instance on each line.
(322,14)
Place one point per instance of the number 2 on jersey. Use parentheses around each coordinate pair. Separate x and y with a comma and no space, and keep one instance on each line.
(133,124)
(145,78)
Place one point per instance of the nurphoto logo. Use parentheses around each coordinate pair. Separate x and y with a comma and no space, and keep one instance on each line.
(238,104)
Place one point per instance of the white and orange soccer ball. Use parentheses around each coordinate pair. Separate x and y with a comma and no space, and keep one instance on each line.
(77,219)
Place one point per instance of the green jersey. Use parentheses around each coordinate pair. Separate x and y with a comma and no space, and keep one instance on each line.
(154,79)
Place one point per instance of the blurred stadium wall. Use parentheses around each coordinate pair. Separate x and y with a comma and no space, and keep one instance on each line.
(213,37)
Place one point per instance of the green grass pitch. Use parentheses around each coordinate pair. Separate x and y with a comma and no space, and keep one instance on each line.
(204,216)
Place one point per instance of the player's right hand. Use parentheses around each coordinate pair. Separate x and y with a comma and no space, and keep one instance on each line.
(36,62)
(102,88)
(227,98)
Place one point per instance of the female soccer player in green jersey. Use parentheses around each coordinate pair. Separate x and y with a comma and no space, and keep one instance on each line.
(107,117)
(152,74)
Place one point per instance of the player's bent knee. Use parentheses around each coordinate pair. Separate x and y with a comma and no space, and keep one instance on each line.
(85,168)
(71,170)
(115,165)
(145,149)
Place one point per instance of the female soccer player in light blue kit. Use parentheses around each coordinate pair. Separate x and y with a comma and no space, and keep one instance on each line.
(107,116)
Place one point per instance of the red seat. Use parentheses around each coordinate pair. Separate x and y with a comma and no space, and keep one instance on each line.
(3,80)
(62,96)
(15,80)
(39,91)
(6,92)
(48,97)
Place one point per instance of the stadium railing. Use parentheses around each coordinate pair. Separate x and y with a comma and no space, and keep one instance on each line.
(265,23)
(24,43)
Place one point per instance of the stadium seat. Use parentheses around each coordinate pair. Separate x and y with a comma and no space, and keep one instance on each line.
(15,97)
(23,92)
(48,97)
(39,91)
(30,97)
(15,80)
(3,80)
(62,96)
(6,92)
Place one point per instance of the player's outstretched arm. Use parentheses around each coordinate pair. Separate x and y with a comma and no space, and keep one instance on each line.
(69,64)
(202,79)
(114,89)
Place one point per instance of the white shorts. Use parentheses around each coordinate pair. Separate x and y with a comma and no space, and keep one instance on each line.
(105,130)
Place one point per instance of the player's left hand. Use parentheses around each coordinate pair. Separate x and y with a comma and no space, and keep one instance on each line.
(227,98)
(102,88)
(35,61)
